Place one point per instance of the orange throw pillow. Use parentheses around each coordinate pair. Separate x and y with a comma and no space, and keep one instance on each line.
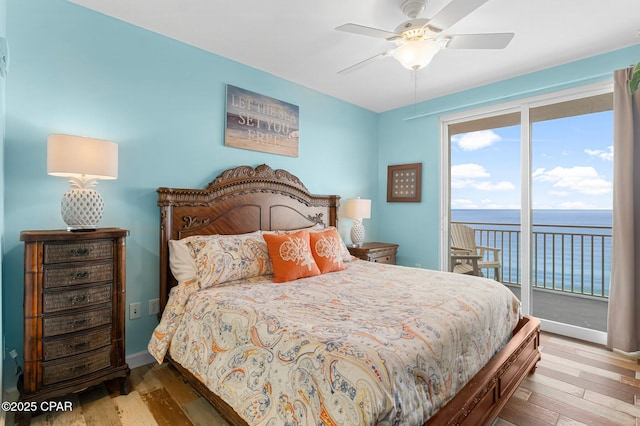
(291,256)
(325,247)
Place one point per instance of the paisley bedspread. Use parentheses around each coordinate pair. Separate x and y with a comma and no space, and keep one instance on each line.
(373,344)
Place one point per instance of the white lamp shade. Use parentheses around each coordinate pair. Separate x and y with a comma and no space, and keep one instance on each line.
(357,208)
(416,54)
(69,155)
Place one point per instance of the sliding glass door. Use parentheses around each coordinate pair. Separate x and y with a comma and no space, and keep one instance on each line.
(485,192)
(532,179)
(572,168)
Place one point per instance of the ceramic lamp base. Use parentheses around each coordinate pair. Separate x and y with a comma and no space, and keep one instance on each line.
(357,234)
(82,209)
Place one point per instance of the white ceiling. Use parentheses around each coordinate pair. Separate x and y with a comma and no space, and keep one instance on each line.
(297,40)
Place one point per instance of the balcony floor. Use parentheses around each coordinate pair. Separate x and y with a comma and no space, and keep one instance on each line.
(568,308)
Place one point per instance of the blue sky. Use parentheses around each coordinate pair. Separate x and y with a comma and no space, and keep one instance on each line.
(572,164)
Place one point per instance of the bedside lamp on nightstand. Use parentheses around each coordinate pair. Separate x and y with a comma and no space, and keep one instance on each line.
(83,161)
(357,209)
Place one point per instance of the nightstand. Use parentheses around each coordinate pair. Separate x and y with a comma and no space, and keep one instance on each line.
(74,312)
(375,252)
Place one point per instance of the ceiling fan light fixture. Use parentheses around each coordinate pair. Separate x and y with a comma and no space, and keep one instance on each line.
(416,54)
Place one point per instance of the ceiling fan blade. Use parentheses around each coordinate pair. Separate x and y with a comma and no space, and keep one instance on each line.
(480,41)
(453,12)
(365,62)
(367,31)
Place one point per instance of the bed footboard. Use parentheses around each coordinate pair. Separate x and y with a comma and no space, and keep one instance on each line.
(480,401)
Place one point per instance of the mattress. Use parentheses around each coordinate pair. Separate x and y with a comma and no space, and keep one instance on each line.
(372,344)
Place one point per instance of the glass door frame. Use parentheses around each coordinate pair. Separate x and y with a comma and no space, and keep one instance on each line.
(522,106)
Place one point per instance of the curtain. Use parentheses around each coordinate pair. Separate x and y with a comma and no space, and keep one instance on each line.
(624,289)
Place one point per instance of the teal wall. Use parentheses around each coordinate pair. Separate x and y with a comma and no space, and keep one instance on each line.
(80,72)
(3,33)
(403,140)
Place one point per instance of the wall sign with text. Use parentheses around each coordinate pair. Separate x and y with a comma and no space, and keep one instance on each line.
(261,123)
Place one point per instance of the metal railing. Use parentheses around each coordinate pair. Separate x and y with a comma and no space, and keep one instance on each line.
(565,258)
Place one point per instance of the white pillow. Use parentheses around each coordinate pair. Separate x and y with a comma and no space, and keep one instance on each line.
(181,261)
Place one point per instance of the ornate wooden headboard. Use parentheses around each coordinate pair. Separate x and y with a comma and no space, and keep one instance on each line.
(240,200)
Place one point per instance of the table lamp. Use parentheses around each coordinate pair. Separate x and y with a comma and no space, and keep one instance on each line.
(83,161)
(357,209)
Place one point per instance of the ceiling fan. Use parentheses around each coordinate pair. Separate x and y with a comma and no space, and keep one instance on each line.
(419,39)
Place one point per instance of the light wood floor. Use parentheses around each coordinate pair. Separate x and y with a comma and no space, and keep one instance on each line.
(575,383)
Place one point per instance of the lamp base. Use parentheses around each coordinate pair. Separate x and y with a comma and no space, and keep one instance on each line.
(357,234)
(82,209)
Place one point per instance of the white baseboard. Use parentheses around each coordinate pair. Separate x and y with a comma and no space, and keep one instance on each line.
(635,354)
(140,358)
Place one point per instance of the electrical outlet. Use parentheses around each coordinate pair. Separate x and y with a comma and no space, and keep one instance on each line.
(14,354)
(134,310)
(154,306)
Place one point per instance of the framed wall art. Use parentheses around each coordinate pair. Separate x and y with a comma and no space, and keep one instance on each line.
(261,123)
(404,183)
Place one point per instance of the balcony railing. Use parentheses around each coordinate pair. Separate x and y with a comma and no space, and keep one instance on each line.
(565,258)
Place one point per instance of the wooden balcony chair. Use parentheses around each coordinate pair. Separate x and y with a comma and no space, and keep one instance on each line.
(463,238)
(464,262)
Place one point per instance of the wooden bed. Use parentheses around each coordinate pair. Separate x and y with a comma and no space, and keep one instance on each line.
(246,199)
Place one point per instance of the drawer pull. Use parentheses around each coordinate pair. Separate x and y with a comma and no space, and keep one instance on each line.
(79,345)
(78,299)
(77,323)
(79,275)
(79,252)
(79,368)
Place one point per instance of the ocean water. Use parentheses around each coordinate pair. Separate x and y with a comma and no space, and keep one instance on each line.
(571,248)
(587,218)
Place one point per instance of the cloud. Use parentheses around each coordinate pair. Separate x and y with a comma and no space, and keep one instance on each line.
(490,204)
(461,183)
(460,203)
(486,203)
(470,170)
(605,155)
(476,140)
(468,175)
(488,186)
(464,175)
(581,179)
(537,172)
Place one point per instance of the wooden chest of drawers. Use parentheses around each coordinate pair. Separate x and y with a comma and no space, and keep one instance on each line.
(74,311)
(376,252)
